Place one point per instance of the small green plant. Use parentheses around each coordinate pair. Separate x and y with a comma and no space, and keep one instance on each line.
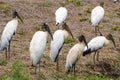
(118,56)
(88,10)
(116,28)
(47,3)
(22,32)
(4,6)
(16,73)
(82,19)
(37,27)
(118,13)
(3,62)
(69,40)
(77,3)
(41,76)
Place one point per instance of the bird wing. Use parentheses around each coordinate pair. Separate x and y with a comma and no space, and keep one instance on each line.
(37,46)
(56,44)
(94,44)
(96,15)
(8,33)
(61,15)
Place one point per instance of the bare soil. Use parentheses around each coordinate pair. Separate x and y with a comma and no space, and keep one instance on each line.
(34,13)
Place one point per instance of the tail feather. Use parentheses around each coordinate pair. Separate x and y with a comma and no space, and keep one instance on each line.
(88,51)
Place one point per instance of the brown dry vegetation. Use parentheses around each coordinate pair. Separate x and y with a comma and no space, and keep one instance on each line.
(35,12)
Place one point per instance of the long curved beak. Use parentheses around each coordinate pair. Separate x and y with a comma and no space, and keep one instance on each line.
(112,39)
(20,18)
(65,26)
(85,42)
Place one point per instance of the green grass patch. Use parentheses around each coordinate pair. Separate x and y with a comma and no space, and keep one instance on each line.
(41,76)
(47,3)
(4,6)
(3,62)
(75,2)
(82,19)
(88,10)
(118,56)
(17,72)
(37,27)
(116,28)
(22,32)
(69,40)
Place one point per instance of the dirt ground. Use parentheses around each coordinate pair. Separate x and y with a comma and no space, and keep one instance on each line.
(35,12)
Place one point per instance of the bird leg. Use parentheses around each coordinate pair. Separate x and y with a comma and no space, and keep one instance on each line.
(74,71)
(35,69)
(57,66)
(39,67)
(94,60)
(99,32)
(6,52)
(9,50)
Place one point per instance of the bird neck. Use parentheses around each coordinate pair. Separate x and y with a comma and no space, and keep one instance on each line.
(107,42)
(66,34)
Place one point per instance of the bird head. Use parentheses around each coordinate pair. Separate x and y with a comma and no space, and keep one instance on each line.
(110,37)
(101,4)
(45,27)
(81,38)
(15,14)
(65,27)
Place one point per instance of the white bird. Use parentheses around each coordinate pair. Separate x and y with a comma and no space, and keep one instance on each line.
(116,1)
(60,15)
(96,44)
(74,54)
(8,33)
(58,40)
(38,45)
(96,16)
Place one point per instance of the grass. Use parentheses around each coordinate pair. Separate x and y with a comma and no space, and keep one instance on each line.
(3,62)
(75,2)
(37,27)
(41,76)
(47,3)
(16,73)
(22,31)
(116,28)
(118,56)
(82,19)
(69,40)
(4,6)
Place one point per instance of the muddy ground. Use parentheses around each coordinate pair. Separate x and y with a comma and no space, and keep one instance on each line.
(35,12)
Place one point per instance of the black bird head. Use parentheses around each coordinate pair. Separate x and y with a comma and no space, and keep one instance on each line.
(45,27)
(101,4)
(110,37)
(82,38)
(65,26)
(15,14)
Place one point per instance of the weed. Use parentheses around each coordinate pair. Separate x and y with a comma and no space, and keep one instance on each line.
(26,48)
(118,56)
(88,10)
(17,72)
(118,13)
(75,2)
(37,27)
(47,3)
(3,62)
(22,31)
(4,6)
(82,19)
(116,28)
(69,40)
(41,76)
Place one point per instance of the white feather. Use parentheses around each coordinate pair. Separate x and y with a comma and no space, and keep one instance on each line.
(8,32)
(96,43)
(96,15)
(60,15)
(56,44)
(73,55)
(37,46)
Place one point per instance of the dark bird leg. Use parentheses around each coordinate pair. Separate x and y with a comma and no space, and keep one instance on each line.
(99,32)
(74,71)
(35,69)
(94,60)
(39,67)
(6,52)
(57,65)
(9,50)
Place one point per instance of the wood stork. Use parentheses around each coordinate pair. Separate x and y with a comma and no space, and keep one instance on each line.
(8,33)
(58,40)
(116,1)
(96,16)
(38,45)
(96,44)
(74,54)
(60,15)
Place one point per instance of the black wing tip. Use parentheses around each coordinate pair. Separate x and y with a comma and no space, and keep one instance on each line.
(88,51)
